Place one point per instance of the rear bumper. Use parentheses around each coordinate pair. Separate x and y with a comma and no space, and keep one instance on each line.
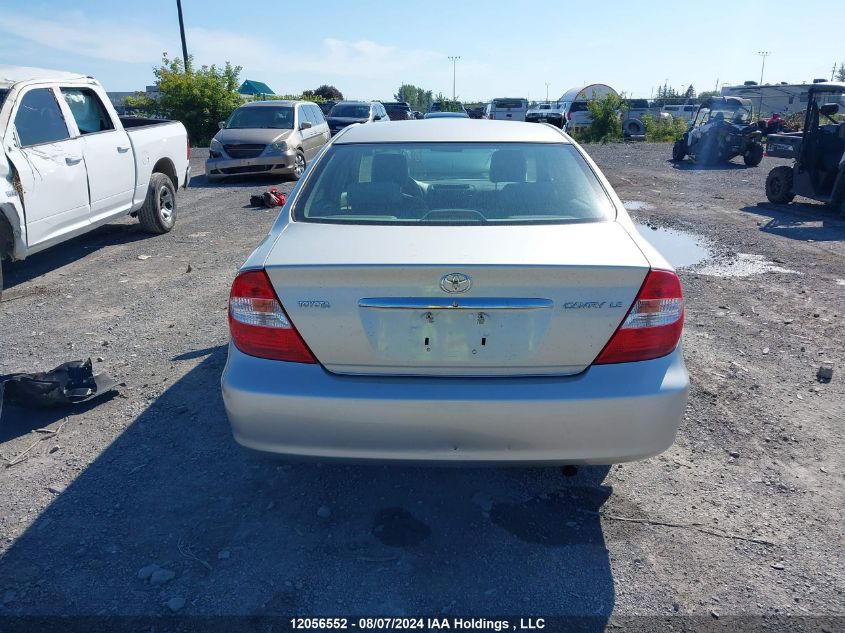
(279,164)
(607,414)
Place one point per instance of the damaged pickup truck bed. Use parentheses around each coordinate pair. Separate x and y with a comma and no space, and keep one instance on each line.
(69,164)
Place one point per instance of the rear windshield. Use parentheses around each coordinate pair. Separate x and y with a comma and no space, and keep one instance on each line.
(509,103)
(262,117)
(452,183)
(579,106)
(351,111)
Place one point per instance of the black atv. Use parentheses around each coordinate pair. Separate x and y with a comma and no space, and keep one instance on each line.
(818,151)
(721,130)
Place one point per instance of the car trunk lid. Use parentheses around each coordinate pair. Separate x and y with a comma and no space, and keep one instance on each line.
(456,300)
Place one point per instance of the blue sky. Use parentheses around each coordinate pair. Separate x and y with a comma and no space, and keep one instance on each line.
(368,49)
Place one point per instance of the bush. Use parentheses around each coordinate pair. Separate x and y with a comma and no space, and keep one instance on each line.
(198,98)
(663,129)
(606,120)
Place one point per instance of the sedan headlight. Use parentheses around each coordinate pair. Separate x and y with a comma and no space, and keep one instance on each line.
(279,147)
(215,148)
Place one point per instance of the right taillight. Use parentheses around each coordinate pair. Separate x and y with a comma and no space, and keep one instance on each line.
(653,325)
(258,323)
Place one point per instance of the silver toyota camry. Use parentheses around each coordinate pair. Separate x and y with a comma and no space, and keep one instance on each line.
(455,291)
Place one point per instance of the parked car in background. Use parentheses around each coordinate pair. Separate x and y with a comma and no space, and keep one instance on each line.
(546,113)
(437,106)
(446,115)
(68,163)
(452,291)
(346,113)
(476,112)
(267,137)
(398,110)
(506,109)
(326,106)
(417,114)
(636,111)
(684,112)
(576,115)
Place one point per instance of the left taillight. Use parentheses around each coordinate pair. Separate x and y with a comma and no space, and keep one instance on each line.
(653,325)
(259,324)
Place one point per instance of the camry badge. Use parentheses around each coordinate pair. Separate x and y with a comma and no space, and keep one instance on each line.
(455,282)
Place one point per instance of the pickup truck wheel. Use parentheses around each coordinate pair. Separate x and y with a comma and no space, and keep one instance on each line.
(158,215)
(298,165)
(779,185)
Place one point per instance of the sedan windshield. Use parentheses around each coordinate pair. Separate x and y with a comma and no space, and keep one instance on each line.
(453,183)
(351,111)
(263,117)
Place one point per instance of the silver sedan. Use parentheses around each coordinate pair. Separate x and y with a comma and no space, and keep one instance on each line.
(454,292)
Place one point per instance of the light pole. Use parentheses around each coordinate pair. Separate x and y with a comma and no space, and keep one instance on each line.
(454,59)
(182,33)
(764,55)
(547,91)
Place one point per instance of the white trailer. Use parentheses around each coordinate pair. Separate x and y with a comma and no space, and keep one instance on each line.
(770,98)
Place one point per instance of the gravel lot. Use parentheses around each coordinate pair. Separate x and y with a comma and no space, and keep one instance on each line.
(143,504)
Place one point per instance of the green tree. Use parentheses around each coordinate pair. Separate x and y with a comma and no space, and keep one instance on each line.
(446,104)
(707,93)
(418,98)
(328,93)
(840,72)
(690,92)
(199,98)
(663,129)
(606,114)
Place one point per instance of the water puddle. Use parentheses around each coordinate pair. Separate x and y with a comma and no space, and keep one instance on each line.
(681,249)
(636,205)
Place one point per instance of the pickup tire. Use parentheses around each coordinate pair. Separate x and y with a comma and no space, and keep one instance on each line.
(634,127)
(679,150)
(158,215)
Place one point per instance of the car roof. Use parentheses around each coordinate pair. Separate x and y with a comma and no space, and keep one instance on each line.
(459,130)
(272,102)
(366,103)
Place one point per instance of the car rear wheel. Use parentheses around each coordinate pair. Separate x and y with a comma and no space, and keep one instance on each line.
(679,150)
(753,155)
(298,165)
(158,215)
(779,185)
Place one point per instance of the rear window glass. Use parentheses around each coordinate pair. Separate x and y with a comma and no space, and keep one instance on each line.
(579,106)
(261,117)
(452,183)
(351,111)
(509,103)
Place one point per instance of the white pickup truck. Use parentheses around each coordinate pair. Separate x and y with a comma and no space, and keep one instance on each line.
(68,163)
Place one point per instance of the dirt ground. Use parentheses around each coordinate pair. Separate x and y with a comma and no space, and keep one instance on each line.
(142,504)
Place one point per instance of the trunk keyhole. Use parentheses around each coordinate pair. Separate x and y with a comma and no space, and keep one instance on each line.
(426,341)
(484,341)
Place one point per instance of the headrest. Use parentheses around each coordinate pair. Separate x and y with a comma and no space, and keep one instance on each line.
(508,165)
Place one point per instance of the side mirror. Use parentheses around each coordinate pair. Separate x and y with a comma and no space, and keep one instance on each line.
(221,124)
(304,125)
(829,109)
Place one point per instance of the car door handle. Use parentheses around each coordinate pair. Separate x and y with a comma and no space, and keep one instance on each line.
(122,150)
(73,160)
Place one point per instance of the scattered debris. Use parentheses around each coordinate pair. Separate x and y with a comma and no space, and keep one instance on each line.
(825,373)
(270,198)
(56,488)
(146,572)
(161,576)
(187,552)
(778,566)
(70,383)
(46,435)
(144,257)
(734,454)
(695,526)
